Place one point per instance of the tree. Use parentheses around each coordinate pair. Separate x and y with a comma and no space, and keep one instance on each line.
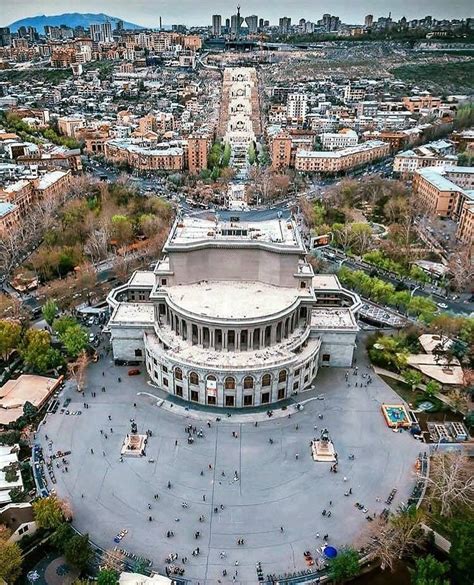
(62,324)
(75,340)
(29,410)
(344,566)
(398,538)
(78,370)
(37,352)
(432,388)
(10,561)
(451,482)
(107,577)
(61,536)
(78,551)
(461,553)
(412,379)
(49,310)
(122,229)
(10,333)
(50,512)
(429,571)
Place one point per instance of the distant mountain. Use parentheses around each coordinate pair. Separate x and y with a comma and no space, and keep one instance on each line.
(71,19)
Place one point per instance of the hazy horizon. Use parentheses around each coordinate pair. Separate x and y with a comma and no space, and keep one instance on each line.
(191,13)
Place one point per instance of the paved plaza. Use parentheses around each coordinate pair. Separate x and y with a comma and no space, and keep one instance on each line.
(275,489)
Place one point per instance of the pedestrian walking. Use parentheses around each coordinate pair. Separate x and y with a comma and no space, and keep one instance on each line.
(92,451)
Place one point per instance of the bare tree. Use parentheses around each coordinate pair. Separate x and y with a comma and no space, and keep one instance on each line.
(451,482)
(461,268)
(396,539)
(78,370)
(114,560)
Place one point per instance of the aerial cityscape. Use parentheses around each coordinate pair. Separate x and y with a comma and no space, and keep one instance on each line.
(236,293)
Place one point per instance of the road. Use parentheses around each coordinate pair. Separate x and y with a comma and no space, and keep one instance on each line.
(338,258)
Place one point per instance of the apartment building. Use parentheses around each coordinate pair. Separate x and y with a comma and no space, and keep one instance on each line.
(434,154)
(164,157)
(297,106)
(331,162)
(336,140)
(416,103)
(197,151)
(280,151)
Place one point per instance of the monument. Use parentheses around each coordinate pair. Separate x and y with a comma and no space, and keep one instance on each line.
(134,444)
(322,449)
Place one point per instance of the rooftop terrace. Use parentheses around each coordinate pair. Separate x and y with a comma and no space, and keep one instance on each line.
(272,231)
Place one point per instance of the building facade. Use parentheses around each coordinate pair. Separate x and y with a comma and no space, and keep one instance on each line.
(331,162)
(233,314)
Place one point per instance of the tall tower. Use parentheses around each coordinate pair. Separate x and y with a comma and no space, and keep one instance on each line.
(238,21)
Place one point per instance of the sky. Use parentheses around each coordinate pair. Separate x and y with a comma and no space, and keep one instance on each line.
(198,12)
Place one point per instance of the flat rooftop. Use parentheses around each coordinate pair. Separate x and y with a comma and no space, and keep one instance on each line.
(272,231)
(135,313)
(337,318)
(322,282)
(233,299)
(142,278)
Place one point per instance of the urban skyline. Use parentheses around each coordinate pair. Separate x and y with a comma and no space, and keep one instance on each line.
(187,13)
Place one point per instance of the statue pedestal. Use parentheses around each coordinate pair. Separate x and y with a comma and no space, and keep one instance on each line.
(134,446)
(323,450)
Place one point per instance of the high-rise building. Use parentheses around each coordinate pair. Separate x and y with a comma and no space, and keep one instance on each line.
(95,32)
(369,20)
(216,25)
(252,23)
(5,36)
(297,106)
(285,23)
(235,23)
(260,23)
(227,24)
(106,31)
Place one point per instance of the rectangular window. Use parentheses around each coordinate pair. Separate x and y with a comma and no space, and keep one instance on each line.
(163,281)
(179,390)
(138,353)
(281,394)
(229,400)
(306,378)
(165,382)
(296,385)
(211,400)
(326,357)
(194,395)
(265,397)
(165,369)
(248,400)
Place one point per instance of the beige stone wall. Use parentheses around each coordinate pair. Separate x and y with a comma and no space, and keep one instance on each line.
(234,264)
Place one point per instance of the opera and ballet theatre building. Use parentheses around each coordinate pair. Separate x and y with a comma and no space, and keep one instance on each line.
(233,314)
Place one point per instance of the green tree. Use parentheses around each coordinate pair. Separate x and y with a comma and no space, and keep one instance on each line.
(62,324)
(429,571)
(61,536)
(10,561)
(48,512)
(78,551)
(226,155)
(122,229)
(49,310)
(344,566)
(10,334)
(412,378)
(432,388)
(29,410)
(461,553)
(37,352)
(107,577)
(75,340)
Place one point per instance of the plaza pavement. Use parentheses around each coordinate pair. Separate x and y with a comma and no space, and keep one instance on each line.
(274,488)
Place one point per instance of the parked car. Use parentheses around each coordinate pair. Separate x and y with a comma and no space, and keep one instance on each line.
(134,372)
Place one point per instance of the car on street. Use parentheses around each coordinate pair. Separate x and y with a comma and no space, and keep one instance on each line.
(442,305)
(134,372)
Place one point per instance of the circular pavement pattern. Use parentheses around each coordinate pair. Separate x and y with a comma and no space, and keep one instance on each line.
(274,490)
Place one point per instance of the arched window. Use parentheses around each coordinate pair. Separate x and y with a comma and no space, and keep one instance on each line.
(282,376)
(229,383)
(248,382)
(212,378)
(266,380)
(194,379)
(178,374)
